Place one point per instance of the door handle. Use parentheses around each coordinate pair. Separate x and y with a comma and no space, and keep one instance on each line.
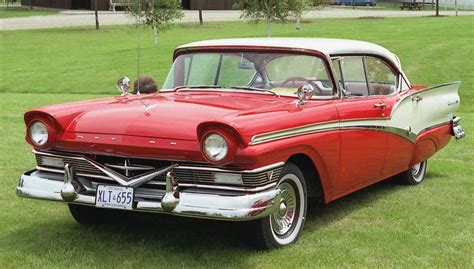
(380,105)
(416,98)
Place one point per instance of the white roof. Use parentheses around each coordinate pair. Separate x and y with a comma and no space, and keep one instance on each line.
(327,46)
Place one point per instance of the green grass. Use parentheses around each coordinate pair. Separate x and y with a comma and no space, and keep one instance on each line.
(16,11)
(385,225)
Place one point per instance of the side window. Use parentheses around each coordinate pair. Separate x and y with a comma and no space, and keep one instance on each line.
(381,79)
(352,75)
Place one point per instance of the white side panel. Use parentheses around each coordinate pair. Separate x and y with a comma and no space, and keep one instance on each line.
(426,108)
(439,104)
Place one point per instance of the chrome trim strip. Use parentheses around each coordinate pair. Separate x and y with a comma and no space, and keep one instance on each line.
(256,189)
(392,130)
(72,156)
(211,169)
(60,171)
(319,127)
(434,126)
(290,132)
(313,129)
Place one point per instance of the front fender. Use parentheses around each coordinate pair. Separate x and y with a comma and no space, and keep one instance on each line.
(321,148)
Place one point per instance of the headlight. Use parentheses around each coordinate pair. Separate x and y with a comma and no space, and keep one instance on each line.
(215,147)
(38,133)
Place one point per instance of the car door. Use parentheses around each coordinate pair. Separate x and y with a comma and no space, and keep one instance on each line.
(363,143)
(401,118)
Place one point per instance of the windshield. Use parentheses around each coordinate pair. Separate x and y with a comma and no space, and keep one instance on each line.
(279,72)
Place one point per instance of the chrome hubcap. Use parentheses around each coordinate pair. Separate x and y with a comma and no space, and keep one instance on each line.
(283,220)
(416,169)
(283,209)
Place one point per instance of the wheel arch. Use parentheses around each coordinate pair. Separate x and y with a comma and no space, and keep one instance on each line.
(315,185)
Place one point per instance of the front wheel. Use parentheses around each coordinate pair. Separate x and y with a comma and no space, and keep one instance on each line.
(415,175)
(284,227)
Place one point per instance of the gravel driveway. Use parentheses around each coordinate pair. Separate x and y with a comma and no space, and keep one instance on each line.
(86,18)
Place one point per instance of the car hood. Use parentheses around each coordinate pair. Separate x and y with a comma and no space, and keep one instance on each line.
(167,115)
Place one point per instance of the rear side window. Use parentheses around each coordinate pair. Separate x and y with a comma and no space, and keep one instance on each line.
(381,79)
(352,75)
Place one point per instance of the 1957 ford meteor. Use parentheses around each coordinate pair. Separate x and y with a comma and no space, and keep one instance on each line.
(243,130)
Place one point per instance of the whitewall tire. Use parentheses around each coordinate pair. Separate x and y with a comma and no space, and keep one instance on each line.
(284,227)
(415,175)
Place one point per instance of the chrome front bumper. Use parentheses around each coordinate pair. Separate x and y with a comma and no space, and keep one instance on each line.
(234,207)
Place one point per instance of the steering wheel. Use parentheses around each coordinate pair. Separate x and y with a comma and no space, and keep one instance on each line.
(293,80)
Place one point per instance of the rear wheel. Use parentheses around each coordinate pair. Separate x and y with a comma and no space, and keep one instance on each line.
(88,215)
(284,227)
(415,175)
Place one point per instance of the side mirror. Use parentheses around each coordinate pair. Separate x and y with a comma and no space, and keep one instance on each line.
(123,85)
(304,93)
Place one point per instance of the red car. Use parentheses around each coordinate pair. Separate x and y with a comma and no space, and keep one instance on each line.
(243,130)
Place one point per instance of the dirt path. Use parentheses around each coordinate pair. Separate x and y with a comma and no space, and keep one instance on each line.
(86,18)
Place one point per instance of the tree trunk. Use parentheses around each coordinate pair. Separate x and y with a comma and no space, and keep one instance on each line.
(97,26)
(437,8)
(31,4)
(456,6)
(269,27)
(155,35)
(200,13)
(298,21)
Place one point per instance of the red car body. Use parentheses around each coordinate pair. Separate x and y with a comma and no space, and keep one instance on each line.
(341,144)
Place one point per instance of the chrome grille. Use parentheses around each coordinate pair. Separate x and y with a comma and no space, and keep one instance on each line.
(82,166)
(187,175)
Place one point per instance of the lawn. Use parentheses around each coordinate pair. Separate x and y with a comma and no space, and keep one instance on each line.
(17,11)
(386,225)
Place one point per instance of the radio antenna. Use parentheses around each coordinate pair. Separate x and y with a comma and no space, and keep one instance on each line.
(138,47)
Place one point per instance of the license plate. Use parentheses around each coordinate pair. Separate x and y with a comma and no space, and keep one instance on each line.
(114,197)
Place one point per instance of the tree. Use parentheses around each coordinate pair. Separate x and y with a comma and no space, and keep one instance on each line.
(96,15)
(437,8)
(271,10)
(158,14)
(200,13)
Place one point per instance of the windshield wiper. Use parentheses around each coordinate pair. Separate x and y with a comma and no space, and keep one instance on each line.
(248,88)
(197,87)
